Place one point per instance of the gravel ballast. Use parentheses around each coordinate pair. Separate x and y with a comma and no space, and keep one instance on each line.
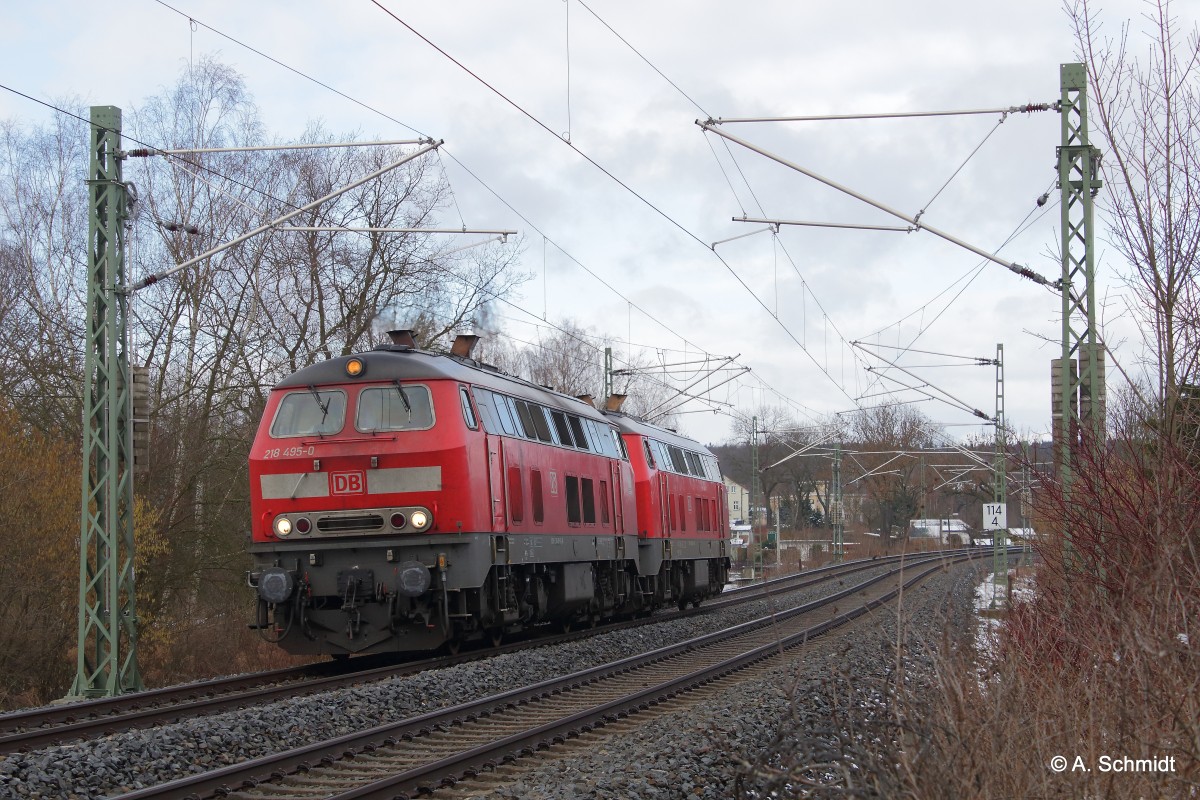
(737,742)
(679,758)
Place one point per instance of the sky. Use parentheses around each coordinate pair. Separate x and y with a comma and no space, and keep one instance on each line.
(586,142)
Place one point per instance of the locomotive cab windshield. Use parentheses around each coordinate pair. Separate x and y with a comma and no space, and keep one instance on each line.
(309,413)
(394,408)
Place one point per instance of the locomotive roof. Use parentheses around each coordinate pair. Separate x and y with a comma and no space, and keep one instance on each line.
(628,424)
(398,362)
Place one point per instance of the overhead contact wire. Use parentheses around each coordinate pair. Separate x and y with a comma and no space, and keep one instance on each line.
(661,74)
(205,168)
(448,151)
(961,166)
(737,165)
(487,186)
(614,178)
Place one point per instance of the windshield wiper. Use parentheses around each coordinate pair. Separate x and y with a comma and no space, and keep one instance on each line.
(323,406)
(403,398)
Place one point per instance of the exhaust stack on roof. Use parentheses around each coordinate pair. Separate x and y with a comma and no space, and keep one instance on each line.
(614,402)
(587,398)
(402,338)
(464,343)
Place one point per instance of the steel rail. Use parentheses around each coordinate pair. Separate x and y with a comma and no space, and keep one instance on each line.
(29,730)
(449,770)
(223,781)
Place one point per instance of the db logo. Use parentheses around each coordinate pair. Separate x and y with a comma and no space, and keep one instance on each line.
(347,482)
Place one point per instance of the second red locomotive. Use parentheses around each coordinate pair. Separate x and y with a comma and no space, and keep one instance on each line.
(405,500)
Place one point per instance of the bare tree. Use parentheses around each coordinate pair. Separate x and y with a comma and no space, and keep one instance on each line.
(570,358)
(218,335)
(567,358)
(43,229)
(889,438)
(780,435)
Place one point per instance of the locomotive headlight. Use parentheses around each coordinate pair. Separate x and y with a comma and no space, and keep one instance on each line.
(419,519)
(355,367)
(283,526)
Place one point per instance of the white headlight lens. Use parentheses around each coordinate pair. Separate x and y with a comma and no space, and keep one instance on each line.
(283,526)
(419,519)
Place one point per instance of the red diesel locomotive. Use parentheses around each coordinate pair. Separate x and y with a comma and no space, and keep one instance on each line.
(405,500)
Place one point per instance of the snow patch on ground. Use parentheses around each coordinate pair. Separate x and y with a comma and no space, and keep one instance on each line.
(989,595)
(991,608)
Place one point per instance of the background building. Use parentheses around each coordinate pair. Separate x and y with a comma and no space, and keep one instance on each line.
(737,501)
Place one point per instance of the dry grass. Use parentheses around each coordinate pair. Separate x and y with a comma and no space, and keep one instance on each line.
(1102,663)
(993,732)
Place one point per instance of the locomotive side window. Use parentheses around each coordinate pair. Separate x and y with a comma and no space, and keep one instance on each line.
(657,454)
(668,457)
(309,412)
(610,437)
(589,501)
(616,437)
(516,502)
(587,436)
(535,495)
(468,412)
(710,468)
(577,430)
(649,455)
(573,515)
(525,418)
(678,460)
(507,413)
(663,457)
(694,467)
(483,400)
(589,430)
(601,442)
(562,429)
(540,425)
(394,408)
(598,440)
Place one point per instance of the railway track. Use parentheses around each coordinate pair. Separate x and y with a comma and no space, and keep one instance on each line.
(423,753)
(29,730)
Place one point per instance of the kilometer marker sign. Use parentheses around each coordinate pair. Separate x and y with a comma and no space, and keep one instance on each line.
(995,516)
